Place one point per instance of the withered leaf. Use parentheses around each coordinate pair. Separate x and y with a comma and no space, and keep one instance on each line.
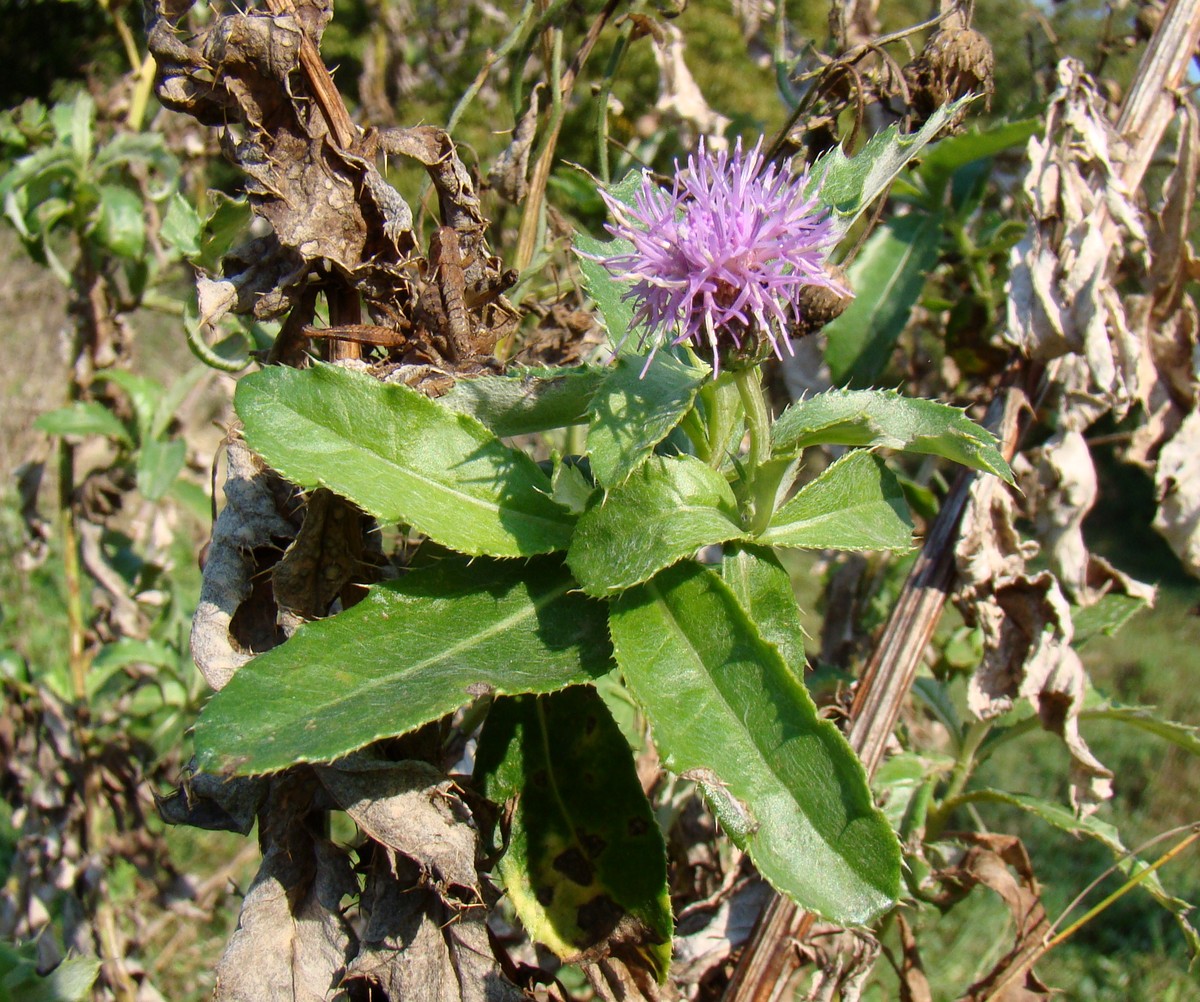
(413,809)
(1026,622)
(1060,294)
(509,175)
(293,940)
(1000,863)
(1177,483)
(248,536)
(678,93)
(325,556)
(414,946)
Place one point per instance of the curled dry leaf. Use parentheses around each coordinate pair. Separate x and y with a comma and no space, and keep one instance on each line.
(1060,295)
(327,555)
(509,175)
(1060,491)
(293,940)
(327,202)
(842,960)
(425,934)
(416,947)
(1167,320)
(1177,483)
(1066,491)
(412,809)
(706,938)
(1000,863)
(248,537)
(1026,621)
(914,986)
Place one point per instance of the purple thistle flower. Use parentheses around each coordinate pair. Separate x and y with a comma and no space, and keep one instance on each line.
(725,254)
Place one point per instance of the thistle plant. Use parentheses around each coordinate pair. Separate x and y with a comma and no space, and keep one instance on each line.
(647,570)
(724,257)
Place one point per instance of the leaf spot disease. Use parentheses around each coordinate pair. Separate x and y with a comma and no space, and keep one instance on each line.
(572,864)
(599,917)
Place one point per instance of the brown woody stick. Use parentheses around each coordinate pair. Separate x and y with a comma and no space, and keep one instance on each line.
(769,958)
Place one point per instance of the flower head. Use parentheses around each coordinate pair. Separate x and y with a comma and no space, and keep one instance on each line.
(725,255)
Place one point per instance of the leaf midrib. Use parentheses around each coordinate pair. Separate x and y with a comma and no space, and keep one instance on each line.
(767,764)
(357,693)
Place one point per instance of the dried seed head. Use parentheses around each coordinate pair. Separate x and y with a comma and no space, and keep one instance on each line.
(956,60)
(821,304)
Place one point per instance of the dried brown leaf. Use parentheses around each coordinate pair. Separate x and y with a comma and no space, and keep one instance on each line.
(1061,493)
(326,555)
(1000,863)
(1177,483)
(509,175)
(248,537)
(413,809)
(914,986)
(706,937)
(293,940)
(842,960)
(1061,297)
(990,548)
(1026,622)
(414,946)
(678,93)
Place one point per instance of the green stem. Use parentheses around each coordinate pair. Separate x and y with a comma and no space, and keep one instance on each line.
(964,766)
(758,422)
(758,425)
(143,86)
(610,73)
(72,573)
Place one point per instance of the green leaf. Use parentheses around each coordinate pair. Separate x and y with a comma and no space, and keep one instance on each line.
(616,313)
(871,418)
(53,163)
(666,511)
(70,981)
(856,504)
(83,417)
(976,143)
(525,401)
(124,653)
(572,488)
(74,124)
(1091,826)
(407,654)
(171,399)
(632,412)
(1143,719)
(764,589)
(398,455)
(135,149)
(727,712)
(181,227)
(144,394)
(887,278)
(585,858)
(122,224)
(158,466)
(1104,618)
(848,185)
(224,226)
